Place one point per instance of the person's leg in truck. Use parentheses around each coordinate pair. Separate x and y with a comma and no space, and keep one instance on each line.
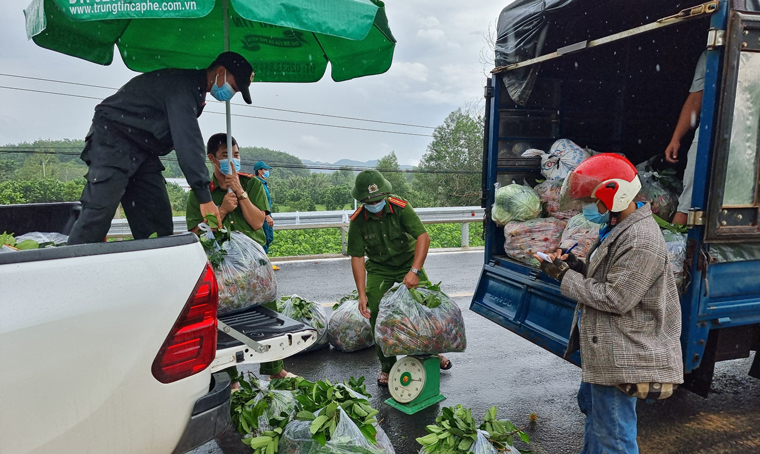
(146,202)
(110,162)
(684,201)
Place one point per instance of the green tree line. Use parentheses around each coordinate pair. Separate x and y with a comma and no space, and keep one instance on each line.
(56,174)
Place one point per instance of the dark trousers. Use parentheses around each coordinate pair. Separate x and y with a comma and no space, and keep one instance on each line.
(120,172)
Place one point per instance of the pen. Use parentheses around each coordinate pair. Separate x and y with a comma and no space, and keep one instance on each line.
(571,248)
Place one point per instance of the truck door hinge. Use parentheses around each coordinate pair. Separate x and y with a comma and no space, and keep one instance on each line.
(695,218)
(716,38)
(237,335)
(695,11)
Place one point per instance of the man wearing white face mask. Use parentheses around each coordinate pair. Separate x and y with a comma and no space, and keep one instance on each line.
(150,116)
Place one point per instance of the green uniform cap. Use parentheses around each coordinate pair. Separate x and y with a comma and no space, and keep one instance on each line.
(371,186)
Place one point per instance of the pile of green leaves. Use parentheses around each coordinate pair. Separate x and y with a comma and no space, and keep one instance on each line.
(431,300)
(326,398)
(213,246)
(455,431)
(302,310)
(322,396)
(7,239)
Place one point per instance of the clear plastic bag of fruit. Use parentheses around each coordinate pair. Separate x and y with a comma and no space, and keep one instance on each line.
(549,192)
(582,232)
(307,312)
(523,239)
(348,330)
(243,271)
(419,321)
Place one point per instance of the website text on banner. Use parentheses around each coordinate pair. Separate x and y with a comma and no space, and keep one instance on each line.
(86,10)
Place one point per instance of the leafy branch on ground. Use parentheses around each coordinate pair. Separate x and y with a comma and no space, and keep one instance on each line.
(455,431)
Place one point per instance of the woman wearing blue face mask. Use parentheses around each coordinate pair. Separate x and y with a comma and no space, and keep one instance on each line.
(261,170)
(628,319)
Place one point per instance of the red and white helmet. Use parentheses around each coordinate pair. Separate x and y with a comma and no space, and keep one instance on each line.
(608,177)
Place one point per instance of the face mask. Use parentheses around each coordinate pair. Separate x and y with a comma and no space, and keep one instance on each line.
(266,174)
(223,93)
(376,208)
(224,165)
(591,212)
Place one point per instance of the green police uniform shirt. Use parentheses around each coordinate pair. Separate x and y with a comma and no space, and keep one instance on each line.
(387,241)
(235,219)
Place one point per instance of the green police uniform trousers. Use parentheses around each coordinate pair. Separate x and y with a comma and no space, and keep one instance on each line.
(380,281)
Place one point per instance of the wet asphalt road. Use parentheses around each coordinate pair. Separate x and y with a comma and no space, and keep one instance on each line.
(502,369)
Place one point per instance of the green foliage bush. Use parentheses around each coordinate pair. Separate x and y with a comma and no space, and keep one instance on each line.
(38,191)
(288,243)
(305,242)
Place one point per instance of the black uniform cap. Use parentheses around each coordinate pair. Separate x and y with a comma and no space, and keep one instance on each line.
(239,68)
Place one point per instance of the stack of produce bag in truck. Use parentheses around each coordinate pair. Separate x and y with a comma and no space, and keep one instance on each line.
(348,330)
(422,321)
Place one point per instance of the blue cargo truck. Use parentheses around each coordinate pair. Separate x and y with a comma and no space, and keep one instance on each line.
(612,76)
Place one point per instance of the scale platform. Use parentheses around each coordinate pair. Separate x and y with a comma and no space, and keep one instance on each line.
(415,384)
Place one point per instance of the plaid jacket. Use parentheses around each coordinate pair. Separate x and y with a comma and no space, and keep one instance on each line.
(631,314)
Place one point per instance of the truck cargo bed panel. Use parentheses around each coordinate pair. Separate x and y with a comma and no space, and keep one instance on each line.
(258,323)
(530,308)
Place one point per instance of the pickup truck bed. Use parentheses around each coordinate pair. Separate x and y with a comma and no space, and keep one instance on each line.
(84,329)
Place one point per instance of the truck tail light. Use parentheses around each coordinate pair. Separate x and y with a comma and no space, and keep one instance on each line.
(191,344)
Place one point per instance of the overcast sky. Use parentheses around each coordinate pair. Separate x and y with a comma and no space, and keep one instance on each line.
(436,69)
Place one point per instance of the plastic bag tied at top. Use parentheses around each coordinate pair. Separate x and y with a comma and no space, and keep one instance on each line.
(348,330)
(245,275)
(315,318)
(563,157)
(406,327)
(347,439)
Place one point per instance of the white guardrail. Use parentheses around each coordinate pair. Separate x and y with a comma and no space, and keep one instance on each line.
(335,219)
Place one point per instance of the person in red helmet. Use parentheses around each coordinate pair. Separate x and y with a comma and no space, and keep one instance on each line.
(627,322)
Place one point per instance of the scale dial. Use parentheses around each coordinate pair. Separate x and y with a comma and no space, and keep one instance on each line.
(407,379)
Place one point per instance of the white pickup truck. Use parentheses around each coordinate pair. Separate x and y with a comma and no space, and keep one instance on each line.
(114,348)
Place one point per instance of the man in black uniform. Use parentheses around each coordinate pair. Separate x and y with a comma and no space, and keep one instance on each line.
(148,117)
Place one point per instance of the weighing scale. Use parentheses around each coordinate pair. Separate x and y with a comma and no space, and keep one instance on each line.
(415,383)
